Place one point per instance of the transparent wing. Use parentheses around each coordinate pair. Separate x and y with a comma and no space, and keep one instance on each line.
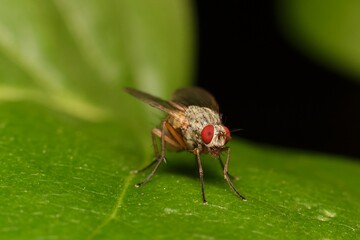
(194,96)
(151,100)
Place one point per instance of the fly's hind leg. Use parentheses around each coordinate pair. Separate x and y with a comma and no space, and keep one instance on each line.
(158,158)
(156,151)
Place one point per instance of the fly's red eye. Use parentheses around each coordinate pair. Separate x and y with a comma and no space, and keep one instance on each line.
(207,133)
(227,131)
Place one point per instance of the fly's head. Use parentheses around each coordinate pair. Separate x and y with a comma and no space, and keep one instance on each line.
(205,130)
(214,138)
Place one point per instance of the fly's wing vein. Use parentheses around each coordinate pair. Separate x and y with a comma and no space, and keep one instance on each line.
(151,100)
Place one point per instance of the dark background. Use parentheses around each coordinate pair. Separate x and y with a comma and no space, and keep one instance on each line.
(265,86)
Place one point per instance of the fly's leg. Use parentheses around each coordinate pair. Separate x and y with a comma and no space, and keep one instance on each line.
(145,168)
(159,158)
(222,167)
(156,151)
(227,178)
(197,153)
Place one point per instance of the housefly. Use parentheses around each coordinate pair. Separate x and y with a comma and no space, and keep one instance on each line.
(193,124)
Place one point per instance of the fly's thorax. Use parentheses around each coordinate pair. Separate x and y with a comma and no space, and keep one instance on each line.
(202,116)
(178,121)
(198,118)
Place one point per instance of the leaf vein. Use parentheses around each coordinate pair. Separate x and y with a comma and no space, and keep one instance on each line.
(115,209)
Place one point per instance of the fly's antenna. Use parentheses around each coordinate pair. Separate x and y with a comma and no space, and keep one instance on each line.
(236,130)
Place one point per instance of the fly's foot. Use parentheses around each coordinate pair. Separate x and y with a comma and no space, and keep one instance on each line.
(158,161)
(138,185)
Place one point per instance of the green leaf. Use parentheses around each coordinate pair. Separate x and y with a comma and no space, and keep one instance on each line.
(327,31)
(66,178)
(69,137)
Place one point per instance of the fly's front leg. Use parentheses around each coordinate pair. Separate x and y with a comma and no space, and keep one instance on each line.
(222,167)
(227,177)
(159,158)
(201,173)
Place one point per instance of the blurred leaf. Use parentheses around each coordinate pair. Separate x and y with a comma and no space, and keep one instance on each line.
(72,55)
(326,30)
(69,137)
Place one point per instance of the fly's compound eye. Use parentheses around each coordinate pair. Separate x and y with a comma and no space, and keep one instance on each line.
(207,133)
(227,132)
